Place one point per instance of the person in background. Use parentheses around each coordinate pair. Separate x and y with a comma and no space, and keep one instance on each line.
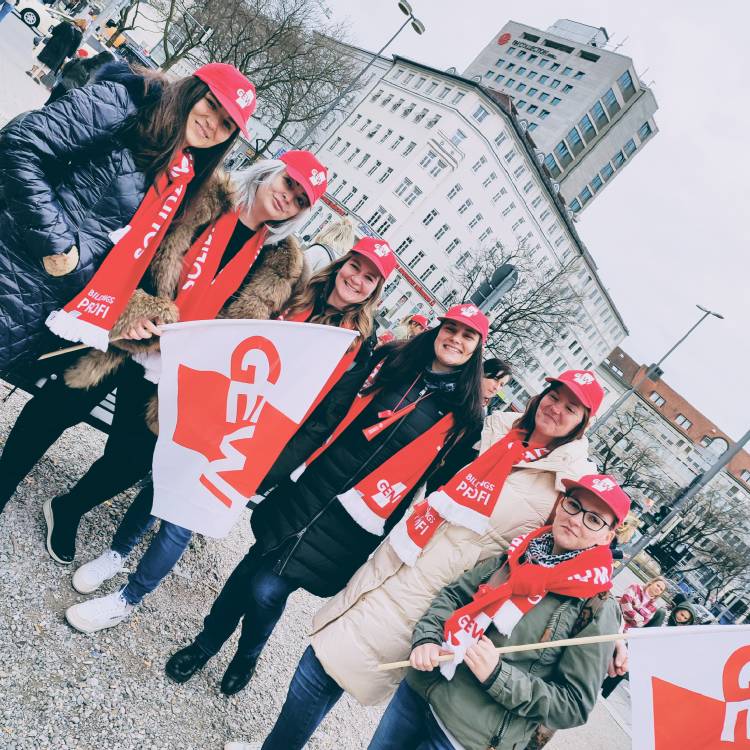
(411,326)
(495,375)
(330,244)
(78,72)
(63,42)
(682,614)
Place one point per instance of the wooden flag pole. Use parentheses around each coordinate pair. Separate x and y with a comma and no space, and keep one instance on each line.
(69,349)
(525,647)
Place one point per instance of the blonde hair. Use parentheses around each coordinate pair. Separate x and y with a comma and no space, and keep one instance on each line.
(81,23)
(657,579)
(627,528)
(358,317)
(339,236)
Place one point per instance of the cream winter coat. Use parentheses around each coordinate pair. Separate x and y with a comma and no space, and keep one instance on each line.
(372,619)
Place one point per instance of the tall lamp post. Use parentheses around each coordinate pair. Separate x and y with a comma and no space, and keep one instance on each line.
(418,27)
(652,370)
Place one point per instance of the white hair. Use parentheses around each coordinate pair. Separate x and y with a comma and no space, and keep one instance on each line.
(246,183)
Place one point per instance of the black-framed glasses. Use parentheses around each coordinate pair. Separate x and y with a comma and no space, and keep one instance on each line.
(592,521)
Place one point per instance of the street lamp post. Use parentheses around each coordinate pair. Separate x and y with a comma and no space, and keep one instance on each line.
(653,369)
(418,27)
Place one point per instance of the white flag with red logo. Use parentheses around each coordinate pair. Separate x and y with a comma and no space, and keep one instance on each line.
(231,395)
(690,688)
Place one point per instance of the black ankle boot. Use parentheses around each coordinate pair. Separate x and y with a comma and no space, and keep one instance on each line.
(185,663)
(239,672)
(61,531)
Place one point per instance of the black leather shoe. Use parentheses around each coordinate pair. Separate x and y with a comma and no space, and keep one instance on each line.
(239,672)
(185,663)
(61,533)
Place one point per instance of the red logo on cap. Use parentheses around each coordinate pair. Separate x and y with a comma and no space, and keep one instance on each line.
(504,38)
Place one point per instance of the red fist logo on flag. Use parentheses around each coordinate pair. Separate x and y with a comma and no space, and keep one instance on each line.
(225,419)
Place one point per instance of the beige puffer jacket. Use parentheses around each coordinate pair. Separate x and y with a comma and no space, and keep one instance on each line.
(371,621)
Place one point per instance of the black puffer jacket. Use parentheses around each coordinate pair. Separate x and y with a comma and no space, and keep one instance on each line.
(319,544)
(67,180)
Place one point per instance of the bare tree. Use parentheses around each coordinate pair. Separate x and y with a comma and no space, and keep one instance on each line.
(627,450)
(287,48)
(532,314)
(126,20)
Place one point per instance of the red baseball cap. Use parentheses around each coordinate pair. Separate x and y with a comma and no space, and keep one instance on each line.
(232,89)
(605,487)
(419,320)
(585,386)
(379,252)
(471,316)
(308,171)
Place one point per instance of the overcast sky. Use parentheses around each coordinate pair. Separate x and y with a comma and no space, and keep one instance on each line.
(672,229)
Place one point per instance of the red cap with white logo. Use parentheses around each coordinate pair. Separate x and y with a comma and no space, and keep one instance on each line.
(471,316)
(233,90)
(584,385)
(303,167)
(379,252)
(605,487)
(420,320)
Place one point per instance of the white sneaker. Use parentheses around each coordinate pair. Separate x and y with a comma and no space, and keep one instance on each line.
(98,614)
(243,745)
(93,574)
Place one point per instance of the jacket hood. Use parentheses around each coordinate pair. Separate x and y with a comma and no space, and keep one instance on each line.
(688,607)
(122,73)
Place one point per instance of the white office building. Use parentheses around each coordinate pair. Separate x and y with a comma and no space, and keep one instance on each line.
(585,105)
(438,166)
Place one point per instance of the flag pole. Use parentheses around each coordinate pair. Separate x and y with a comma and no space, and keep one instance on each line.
(607,638)
(69,349)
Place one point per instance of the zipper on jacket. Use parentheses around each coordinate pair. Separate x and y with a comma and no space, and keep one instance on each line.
(360,469)
(495,739)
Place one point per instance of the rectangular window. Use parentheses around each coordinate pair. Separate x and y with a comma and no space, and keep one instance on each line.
(457,137)
(532,74)
(533,126)
(655,398)
(544,114)
(446,90)
(374,168)
(508,209)
(499,77)
(586,128)
(441,231)
(521,87)
(519,171)
(533,92)
(555,101)
(388,134)
(510,156)
(397,143)
(521,71)
(510,82)
(398,74)
(535,203)
(585,196)
(408,78)
(611,103)
(489,179)
(434,121)
(644,131)
(466,204)
(415,193)
(630,148)
(454,243)
(596,184)
(575,206)
(528,186)
(543,79)
(543,62)
(579,73)
(543,96)
(404,245)
(432,267)
(454,191)
(430,217)
(460,95)
(427,159)
(554,66)
(521,103)
(567,88)
(682,421)
(480,114)
(599,115)
(532,108)
(420,82)
(438,168)
(552,166)
(412,145)
(567,70)
(376,95)
(496,197)
(361,202)
(606,171)
(405,184)
(618,160)
(439,285)
(502,136)
(555,83)
(562,154)
(487,232)
(433,85)
(413,262)
(475,221)
(421,115)
(625,82)
(510,66)
(479,164)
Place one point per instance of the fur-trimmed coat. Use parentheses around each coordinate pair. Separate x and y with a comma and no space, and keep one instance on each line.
(264,293)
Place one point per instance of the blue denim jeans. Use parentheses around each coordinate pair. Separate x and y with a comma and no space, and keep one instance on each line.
(408,724)
(165,550)
(5,9)
(312,694)
(254,594)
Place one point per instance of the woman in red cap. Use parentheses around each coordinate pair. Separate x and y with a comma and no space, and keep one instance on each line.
(509,489)
(418,408)
(240,236)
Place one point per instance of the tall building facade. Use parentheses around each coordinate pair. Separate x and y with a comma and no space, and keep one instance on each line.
(585,106)
(439,166)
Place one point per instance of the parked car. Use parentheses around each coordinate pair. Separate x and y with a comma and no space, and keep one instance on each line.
(39,16)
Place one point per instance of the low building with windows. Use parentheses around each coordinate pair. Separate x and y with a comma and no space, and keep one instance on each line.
(585,105)
(688,443)
(439,166)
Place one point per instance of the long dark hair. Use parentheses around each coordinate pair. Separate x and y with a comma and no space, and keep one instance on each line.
(405,360)
(156,131)
(527,421)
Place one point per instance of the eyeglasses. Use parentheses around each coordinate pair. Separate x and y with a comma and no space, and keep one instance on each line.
(592,521)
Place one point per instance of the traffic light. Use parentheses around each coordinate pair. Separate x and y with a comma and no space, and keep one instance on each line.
(490,291)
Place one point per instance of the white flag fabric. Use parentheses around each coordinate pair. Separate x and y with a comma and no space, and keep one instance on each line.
(231,394)
(690,687)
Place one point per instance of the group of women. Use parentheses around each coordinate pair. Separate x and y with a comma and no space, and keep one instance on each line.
(362,505)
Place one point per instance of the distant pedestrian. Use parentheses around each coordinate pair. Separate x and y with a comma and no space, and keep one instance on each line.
(63,42)
(411,326)
(331,244)
(495,374)
(78,72)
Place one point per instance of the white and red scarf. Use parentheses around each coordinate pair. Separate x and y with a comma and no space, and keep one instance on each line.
(468,499)
(582,576)
(90,316)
